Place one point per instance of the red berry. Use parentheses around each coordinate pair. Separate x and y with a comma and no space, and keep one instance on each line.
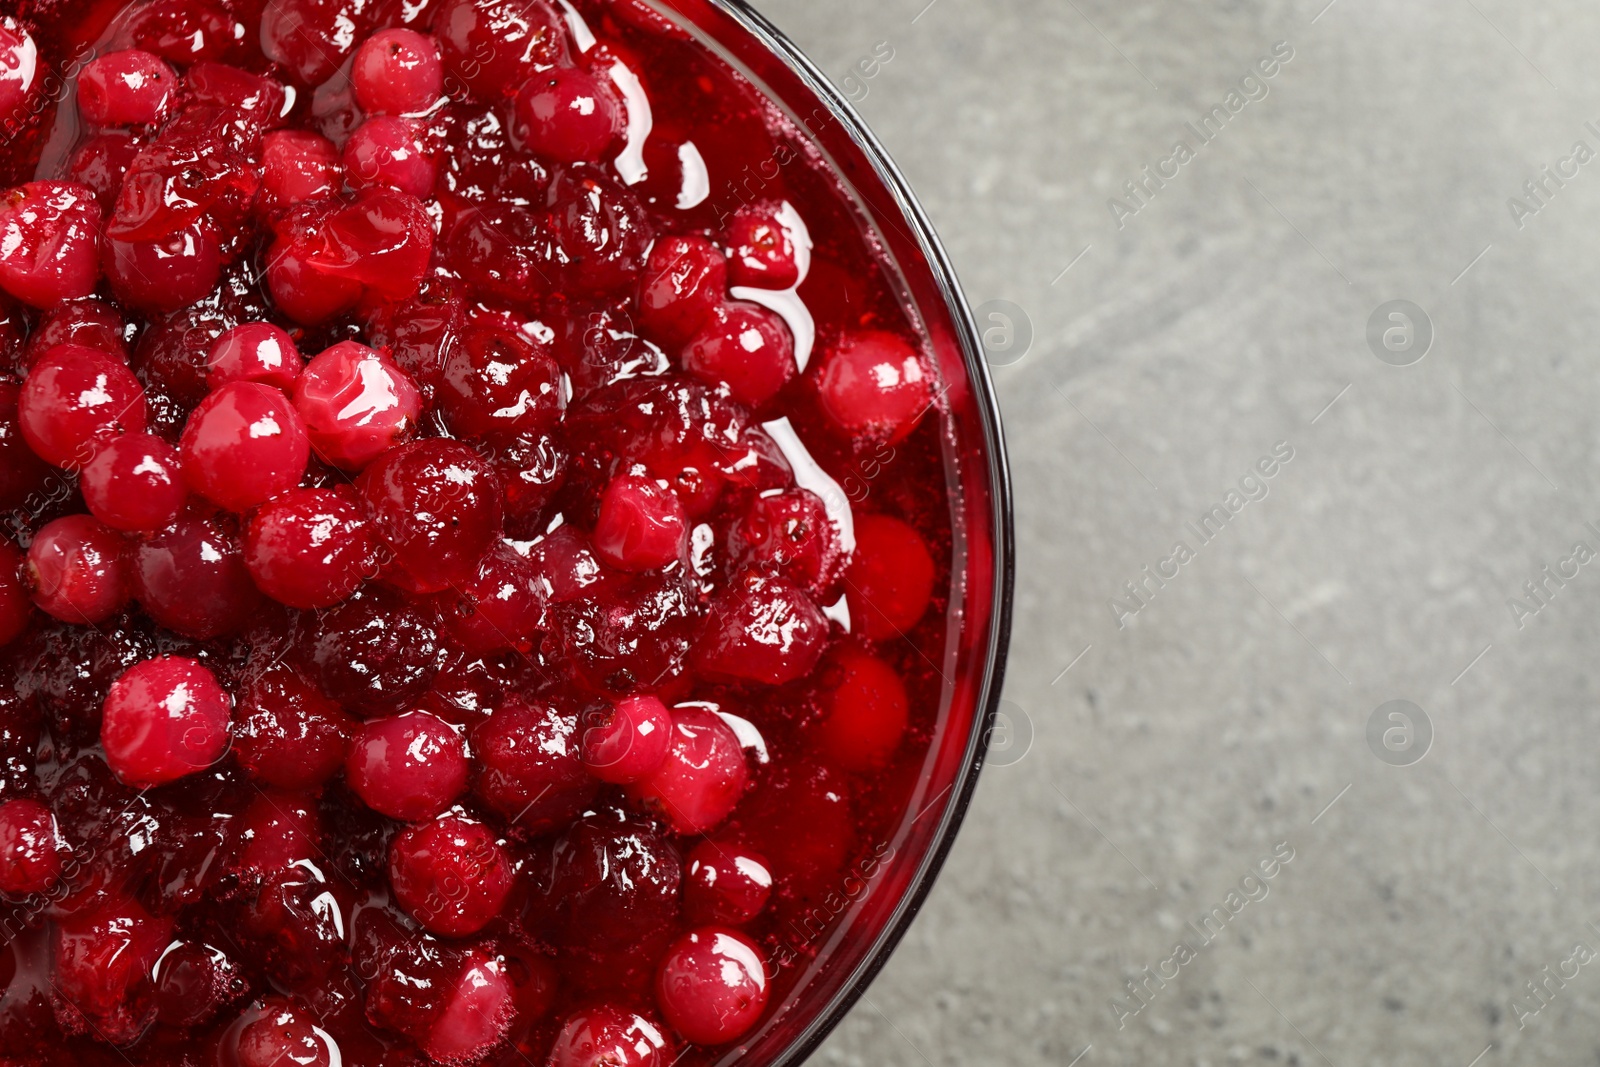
(761,629)
(396,72)
(74,399)
(102,966)
(874,383)
(567,115)
(287,734)
(280,1035)
(493,44)
(436,503)
(49,242)
(408,767)
(890,581)
(167,273)
(377,651)
(450,875)
(296,166)
(628,740)
(19,68)
(498,385)
(310,548)
(77,570)
(311,38)
(221,85)
(254,352)
(712,985)
(16,607)
(387,150)
(745,347)
(608,1036)
(725,884)
(477,1011)
(864,711)
(502,606)
(243,445)
(164,718)
(330,254)
(90,322)
(642,525)
(127,88)
(529,771)
(355,404)
(191,578)
(702,777)
(685,280)
(761,253)
(101,162)
(788,533)
(30,848)
(277,831)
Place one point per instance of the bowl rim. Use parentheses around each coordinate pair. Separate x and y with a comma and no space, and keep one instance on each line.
(965,328)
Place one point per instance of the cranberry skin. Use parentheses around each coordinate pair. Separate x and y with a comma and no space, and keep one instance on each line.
(493,44)
(287,734)
(628,741)
(408,767)
(376,651)
(355,404)
(304,293)
(529,771)
(191,578)
(497,385)
(49,242)
(77,570)
(74,399)
(30,848)
(310,548)
(703,776)
(168,273)
(254,352)
(243,445)
(685,280)
(608,1036)
(396,72)
(102,970)
(864,711)
(761,629)
(450,875)
(16,607)
(164,718)
(280,1035)
(788,533)
(476,1015)
(388,151)
(296,166)
(712,985)
(873,383)
(127,88)
(436,503)
(725,884)
(890,581)
(502,606)
(642,525)
(745,347)
(19,68)
(567,115)
(761,253)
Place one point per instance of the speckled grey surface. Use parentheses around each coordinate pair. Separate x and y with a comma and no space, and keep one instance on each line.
(1224,316)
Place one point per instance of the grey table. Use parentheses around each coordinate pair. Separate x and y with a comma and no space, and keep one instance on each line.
(1237,300)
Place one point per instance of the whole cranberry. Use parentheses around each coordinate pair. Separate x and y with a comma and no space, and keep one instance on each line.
(761,252)
(491,45)
(387,150)
(436,503)
(19,68)
(613,884)
(502,606)
(608,1036)
(396,72)
(16,607)
(311,38)
(788,533)
(409,767)
(529,771)
(627,740)
(684,281)
(164,718)
(254,352)
(127,88)
(874,383)
(102,966)
(725,883)
(90,322)
(890,581)
(641,526)
(617,638)
(310,548)
(192,579)
(761,629)
(49,242)
(703,775)
(287,734)
(600,229)
(30,847)
(712,985)
(864,711)
(355,404)
(167,273)
(77,570)
(74,399)
(279,1034)
(745,347)
(567,115)
(450,875)
(297,166)
(243,445)
(376,651)
(498,385)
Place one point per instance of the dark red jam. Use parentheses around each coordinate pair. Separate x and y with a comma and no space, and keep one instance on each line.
(476,538)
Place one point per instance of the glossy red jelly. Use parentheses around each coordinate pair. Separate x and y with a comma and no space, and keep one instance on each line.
(480,583)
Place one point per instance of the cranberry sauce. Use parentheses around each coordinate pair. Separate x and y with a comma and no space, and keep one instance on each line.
(477,543)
